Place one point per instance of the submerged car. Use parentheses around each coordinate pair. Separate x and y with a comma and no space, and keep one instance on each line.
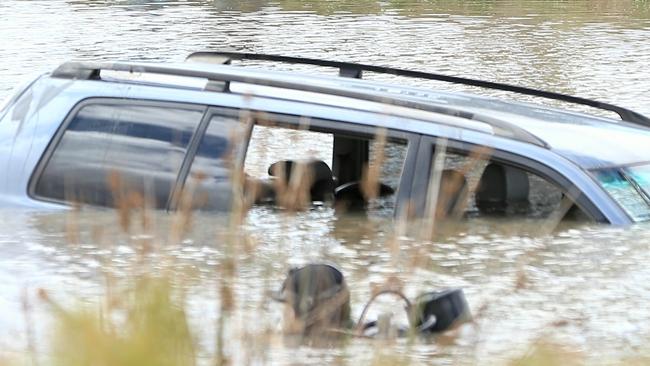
(79,133)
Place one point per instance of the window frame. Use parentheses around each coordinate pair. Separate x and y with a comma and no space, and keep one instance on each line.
(316,124)
(425,158)
(282,120)
(193,146)
(55,141)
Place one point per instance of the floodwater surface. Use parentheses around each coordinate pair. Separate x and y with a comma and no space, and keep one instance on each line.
(586,287)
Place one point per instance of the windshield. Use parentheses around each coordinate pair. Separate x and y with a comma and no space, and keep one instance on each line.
(630,187)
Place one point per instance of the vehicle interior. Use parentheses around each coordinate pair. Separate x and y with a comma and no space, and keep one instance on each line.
(332,168)
(289,163)
(476,186)
(294,168)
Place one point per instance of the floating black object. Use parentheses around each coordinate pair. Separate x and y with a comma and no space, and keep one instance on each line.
(319,301)
(435,312)
(318,297)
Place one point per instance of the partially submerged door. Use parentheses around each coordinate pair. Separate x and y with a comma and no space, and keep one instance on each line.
(462,181)
(272,149)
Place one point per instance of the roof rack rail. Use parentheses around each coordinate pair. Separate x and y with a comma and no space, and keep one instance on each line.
(88,70)
(355,70)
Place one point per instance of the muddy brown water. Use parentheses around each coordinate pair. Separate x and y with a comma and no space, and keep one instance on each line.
(586,286)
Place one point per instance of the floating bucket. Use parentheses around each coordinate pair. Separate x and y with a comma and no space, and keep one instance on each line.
(435,312)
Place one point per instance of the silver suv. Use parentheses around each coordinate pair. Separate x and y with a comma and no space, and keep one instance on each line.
(83,132)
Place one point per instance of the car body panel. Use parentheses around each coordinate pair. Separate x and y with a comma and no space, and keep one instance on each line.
(29,124)
(530,117)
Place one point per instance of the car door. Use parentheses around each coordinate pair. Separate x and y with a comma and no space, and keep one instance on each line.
(343,149)
(207,179)
(482,181)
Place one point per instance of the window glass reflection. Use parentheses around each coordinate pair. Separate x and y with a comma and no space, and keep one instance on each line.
(138,148)
(210,174)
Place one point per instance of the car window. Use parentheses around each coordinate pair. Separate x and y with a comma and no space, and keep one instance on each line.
(219,150)
(111,149)
(272,144)
(338,163)
(475,185)
(393,153)
(629,186)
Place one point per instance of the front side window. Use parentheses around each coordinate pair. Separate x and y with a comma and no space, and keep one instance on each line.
(109,149)
(629,186)
(473,184)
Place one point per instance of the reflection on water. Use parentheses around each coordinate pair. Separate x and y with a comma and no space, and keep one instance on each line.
(586,286)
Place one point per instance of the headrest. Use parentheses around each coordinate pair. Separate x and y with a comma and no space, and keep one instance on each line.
(501,186)
(322,186)
(318,168)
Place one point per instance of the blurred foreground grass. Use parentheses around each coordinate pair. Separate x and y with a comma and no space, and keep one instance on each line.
(143,320)
(148,327)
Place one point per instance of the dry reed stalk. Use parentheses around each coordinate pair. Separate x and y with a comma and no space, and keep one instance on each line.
(400,231)
(370,177)
(543,352)
(147,225)
(294,194)
(393,285)
(232,238)
(119,191)
(182,218)
(234,161)
(72,229)
(437,166)
(553,220)
(370,185)
(545,229)
(29,327)
(322,315)
(476,161)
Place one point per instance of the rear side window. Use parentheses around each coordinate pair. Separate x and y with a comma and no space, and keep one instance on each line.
(108,150)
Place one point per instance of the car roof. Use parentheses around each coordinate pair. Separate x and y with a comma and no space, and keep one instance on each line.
(589,141)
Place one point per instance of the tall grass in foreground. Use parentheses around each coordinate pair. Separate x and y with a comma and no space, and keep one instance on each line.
(144,320)
(152,330)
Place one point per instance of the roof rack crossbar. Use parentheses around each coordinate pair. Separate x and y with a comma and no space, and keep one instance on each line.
(91,70)
(355,70)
